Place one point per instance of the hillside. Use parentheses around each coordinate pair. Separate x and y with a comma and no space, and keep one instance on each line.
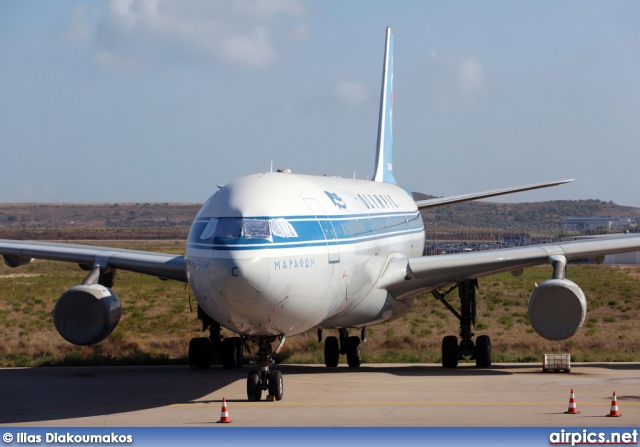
(539,213)
(96,221)
(172,220)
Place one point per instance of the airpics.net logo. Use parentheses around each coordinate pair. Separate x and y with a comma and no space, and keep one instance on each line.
(66,438)
(588,437)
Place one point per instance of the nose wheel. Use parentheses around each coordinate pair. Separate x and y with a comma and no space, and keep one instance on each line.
(265,379)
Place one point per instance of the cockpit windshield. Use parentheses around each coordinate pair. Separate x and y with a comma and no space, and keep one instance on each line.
(235,227)
(256,229)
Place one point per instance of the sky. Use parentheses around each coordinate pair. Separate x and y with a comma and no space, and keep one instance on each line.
(160,100)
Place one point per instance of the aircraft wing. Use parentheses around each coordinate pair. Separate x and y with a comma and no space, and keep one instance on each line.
(162,265)
(441,201)
(431,272)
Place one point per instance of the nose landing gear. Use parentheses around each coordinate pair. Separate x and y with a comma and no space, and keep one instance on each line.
(265,379)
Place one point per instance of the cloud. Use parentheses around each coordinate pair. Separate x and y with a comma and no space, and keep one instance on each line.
(470,75)
(80,30)
(267,9)
(245,32)
(352,93)
(250,50)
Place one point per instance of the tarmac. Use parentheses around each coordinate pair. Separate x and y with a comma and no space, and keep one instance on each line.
(398,395)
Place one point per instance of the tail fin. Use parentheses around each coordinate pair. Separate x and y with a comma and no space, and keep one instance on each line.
(384,153)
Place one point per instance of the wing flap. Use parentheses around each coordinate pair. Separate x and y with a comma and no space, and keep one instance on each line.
(162,265)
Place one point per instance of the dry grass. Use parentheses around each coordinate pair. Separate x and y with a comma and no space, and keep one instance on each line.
(157,322)
(613,295)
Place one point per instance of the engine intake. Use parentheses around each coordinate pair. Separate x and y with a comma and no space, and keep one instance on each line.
(557,309)
(87,314)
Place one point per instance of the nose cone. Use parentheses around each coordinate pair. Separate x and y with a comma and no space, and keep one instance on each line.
(227,254)
(239,278)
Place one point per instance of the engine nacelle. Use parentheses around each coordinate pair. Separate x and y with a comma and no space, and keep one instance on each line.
(16,261)
(557,309)
(87,314)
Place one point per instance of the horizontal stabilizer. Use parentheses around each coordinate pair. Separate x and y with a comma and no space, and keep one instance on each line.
(441,201)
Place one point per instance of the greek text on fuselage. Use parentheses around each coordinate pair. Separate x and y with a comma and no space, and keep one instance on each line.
(294,263)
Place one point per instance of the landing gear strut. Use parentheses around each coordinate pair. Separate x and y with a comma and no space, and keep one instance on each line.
(204,350)
(264,379)
(452,352)
(347,345)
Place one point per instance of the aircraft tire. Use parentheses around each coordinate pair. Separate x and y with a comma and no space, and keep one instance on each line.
(276,384)
(450,351)
(254,391)
(239,353)
(353,351)
(231,352)
(483,351)
(199,353)
(331,352)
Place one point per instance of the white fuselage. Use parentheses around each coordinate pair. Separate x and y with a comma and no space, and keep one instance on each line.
(279,253)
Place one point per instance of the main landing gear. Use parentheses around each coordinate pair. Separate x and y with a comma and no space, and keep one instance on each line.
(347,345)
(452,352)
(265,379)
(205,350)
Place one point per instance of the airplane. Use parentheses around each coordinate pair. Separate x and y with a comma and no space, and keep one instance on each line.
(275,254)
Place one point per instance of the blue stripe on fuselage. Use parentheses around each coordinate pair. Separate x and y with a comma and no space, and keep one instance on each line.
(348,230)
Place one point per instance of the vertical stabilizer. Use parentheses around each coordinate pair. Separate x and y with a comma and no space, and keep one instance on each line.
(384,153)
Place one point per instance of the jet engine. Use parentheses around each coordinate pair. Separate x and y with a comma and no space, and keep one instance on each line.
(557,309)
(87,314)
(16,261)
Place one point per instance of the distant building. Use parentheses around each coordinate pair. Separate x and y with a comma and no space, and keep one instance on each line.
(623,258)
(595,224)
(601,223)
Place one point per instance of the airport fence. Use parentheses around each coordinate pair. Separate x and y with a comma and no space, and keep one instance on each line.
(447,239)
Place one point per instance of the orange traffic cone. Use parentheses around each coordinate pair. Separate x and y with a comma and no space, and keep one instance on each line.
(224,414)
(614,407)
(573,409)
